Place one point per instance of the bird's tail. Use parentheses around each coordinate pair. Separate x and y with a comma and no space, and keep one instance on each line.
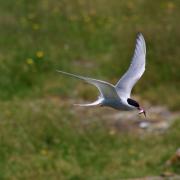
(95,103)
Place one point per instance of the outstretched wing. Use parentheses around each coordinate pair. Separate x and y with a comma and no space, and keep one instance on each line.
(106,89)
(136,69)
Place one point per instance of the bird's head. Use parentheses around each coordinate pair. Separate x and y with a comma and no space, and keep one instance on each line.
(136,105)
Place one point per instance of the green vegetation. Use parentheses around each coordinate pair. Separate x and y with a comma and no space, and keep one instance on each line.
(93,38)
(41,137)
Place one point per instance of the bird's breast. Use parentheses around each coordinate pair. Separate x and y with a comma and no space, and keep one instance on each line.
(117,104)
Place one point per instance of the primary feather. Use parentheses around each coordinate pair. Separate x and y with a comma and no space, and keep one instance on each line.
(106,89)
(136,69)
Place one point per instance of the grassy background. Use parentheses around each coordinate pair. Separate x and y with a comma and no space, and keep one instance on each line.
(40,138)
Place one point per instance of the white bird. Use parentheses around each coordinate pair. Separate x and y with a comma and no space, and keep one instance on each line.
(118,96)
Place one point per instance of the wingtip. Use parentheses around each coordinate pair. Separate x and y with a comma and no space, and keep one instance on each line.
(140,38)
(139,35)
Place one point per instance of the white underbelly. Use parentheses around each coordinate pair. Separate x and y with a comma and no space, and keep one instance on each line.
(116,104)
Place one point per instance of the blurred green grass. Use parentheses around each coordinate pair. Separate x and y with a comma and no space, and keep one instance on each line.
(48,141)
(93,38)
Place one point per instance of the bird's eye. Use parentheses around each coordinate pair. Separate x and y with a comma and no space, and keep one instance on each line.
(133,102)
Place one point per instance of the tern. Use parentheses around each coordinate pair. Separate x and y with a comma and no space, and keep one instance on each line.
(119,96)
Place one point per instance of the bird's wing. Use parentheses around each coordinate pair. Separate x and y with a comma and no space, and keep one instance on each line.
(136,69)
(106,89)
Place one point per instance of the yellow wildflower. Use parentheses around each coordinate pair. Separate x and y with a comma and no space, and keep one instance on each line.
(44,152)
(112,132)
(87,19)
(35,26)
(40,54)
(131,151)
(170,6)
(30,61)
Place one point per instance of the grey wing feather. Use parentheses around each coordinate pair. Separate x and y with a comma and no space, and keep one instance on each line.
(136,69)
(106,89)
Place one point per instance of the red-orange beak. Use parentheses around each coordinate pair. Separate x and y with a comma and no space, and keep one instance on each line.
(141,110)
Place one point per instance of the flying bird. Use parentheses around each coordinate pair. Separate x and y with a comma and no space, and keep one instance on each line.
(119,96)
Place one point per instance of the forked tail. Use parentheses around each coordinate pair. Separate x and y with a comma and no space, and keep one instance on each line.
(95,103)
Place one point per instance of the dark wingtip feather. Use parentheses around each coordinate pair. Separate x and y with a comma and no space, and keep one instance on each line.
(140,35)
